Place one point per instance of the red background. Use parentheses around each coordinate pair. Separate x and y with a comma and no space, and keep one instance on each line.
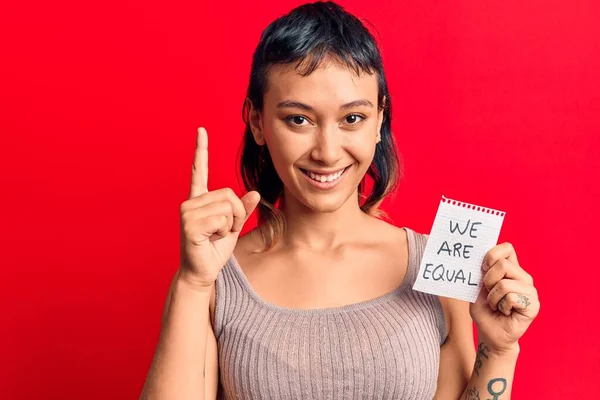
(495,103)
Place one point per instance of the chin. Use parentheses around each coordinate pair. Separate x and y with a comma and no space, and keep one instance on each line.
(326,202)
(324,205)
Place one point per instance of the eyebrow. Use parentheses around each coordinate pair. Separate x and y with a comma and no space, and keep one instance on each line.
(297,104)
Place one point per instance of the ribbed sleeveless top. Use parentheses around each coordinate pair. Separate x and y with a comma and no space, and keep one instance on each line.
(383,348)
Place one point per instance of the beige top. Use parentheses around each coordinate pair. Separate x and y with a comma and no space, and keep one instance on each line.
(384,348)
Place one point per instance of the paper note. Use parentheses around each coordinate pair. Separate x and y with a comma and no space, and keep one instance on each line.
(461,235)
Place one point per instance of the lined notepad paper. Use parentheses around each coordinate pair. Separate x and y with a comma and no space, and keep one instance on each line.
(461,235)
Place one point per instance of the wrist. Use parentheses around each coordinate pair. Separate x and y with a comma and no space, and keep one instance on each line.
(506,353)
(184,280)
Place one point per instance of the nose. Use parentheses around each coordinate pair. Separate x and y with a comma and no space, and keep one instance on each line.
(327,149)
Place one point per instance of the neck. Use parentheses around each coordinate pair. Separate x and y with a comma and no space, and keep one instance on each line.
(309,229)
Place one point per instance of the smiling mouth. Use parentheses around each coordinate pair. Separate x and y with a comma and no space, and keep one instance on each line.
(323,178)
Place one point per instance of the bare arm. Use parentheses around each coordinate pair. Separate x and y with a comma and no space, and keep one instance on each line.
(184,365)
(503,311)
(492,375)
(467,373)
(185,361)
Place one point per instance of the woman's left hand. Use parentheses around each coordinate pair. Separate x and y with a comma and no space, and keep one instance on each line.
(508,301)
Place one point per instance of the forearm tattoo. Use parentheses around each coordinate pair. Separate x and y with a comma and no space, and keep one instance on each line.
(523,300)
(473,394)
(496,386)
(481,353)
(494,390)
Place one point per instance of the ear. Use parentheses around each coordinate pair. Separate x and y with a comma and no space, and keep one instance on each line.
(380,119)
(255,120)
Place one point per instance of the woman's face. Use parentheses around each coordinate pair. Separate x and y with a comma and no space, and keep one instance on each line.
(321,131)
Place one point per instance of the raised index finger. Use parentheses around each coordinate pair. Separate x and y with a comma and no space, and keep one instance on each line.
(200,166)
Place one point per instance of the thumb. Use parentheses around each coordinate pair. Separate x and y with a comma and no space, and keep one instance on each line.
(250,200)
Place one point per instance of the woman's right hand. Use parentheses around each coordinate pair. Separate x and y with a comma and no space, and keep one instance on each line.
(211,222)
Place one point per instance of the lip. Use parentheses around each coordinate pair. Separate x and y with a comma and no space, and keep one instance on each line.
(324,185)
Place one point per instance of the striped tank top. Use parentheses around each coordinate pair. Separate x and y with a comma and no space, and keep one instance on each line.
(383,348)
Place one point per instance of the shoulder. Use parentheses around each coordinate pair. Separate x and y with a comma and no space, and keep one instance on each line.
(382,242)
(384,232)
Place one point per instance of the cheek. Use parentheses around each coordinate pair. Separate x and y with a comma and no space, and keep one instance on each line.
(284,150)
(362,149)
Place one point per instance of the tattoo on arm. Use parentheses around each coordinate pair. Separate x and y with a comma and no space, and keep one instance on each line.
(481,352)
(493,392)
(473,394)
(523,300)
(496,386)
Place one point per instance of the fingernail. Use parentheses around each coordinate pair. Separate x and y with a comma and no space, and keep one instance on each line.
(484,266)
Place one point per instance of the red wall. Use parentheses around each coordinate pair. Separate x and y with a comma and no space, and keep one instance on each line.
(496,103)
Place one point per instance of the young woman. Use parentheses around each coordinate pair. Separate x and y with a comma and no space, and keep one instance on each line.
(317,301)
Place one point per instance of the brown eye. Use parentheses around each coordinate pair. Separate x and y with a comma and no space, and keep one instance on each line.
(354,119)
(296,119)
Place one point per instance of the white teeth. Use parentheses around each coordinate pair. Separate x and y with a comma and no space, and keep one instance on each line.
(325,178)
